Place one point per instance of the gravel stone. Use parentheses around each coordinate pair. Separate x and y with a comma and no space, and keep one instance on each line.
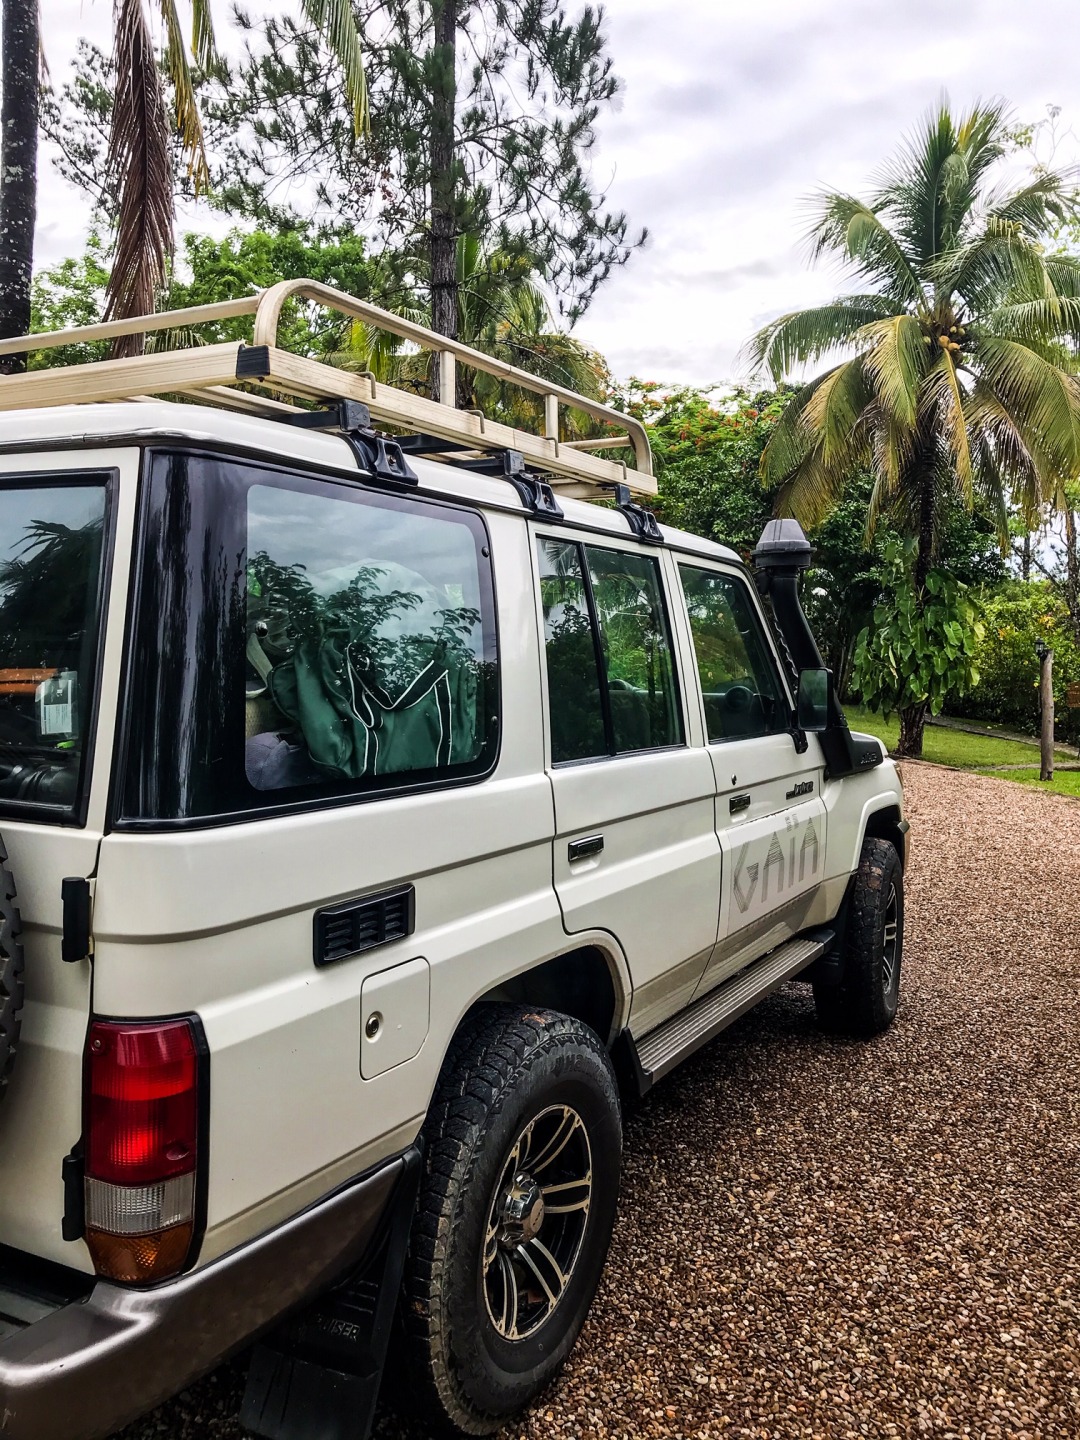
(831,1238)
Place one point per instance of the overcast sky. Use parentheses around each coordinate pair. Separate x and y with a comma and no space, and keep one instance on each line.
(732,112)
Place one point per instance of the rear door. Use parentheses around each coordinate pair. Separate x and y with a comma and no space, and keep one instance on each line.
(636,850)
(770,818)
(59,515)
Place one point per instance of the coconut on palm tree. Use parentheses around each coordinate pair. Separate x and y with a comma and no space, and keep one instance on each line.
(956,360)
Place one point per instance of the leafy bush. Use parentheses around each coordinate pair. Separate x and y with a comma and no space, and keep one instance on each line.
(1008,689)
(910,655)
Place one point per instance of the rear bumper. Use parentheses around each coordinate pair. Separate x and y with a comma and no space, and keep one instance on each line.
(92,1365)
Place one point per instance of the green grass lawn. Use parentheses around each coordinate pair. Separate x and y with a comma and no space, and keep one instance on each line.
(1065,782)
(971,752)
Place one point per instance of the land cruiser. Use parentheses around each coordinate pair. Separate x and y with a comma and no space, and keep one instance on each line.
(377,813)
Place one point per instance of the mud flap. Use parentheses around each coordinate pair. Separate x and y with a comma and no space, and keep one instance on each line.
(317,1377)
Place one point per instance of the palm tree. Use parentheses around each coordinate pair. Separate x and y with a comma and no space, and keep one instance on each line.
(139,140)
(20,60)
(958,355)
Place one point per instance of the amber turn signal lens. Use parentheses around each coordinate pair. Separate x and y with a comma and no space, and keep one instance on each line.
(138,1259)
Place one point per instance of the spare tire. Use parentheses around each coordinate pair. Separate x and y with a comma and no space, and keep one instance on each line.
(11,971)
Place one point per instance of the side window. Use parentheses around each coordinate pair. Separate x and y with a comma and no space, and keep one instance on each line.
(740,686)
(370,640)
(637,650)
(611,676)
(574,703)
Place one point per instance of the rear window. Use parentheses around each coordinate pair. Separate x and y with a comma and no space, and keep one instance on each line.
(303,641)
(51,552)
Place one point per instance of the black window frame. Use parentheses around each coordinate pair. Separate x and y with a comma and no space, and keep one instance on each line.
(693,562)
(107,478)
(264,804)
(581,544)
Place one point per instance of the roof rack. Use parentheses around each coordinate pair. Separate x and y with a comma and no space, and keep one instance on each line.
(255,377)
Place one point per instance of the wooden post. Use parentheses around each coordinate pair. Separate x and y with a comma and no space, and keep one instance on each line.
(1046,698)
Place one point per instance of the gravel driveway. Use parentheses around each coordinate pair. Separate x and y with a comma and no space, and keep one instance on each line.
(821,1238)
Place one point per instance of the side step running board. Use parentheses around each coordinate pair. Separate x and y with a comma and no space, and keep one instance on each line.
(664,1048)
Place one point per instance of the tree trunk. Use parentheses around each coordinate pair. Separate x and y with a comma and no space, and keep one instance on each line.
(1025,558)
(913,717)
(912,725)
(20,58)
(1072,571)
(444,293)
(924,556)
(1046,697)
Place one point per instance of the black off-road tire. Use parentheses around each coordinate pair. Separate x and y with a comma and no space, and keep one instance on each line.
(508,1065)
(11,971)
(866,1001)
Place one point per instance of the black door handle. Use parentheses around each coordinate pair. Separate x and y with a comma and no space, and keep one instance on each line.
(585,849)
(738,803)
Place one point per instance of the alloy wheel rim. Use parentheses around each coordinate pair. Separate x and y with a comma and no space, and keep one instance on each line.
(890,950)
(536,1222)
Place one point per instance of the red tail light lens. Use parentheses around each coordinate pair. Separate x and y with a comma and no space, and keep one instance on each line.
(143,1102)
(142,1137)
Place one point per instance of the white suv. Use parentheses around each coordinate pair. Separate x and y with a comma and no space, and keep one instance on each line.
(374,819)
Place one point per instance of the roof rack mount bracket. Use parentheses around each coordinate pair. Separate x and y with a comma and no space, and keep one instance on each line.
(641,521)
(380,456)
(535,492)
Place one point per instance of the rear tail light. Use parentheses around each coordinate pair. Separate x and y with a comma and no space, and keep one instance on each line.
(142,1143)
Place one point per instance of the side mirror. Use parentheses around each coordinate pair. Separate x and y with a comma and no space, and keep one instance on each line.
(813,700)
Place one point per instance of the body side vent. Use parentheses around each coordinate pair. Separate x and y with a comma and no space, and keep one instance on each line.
(359,925)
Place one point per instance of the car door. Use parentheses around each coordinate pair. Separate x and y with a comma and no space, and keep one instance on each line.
(769,815)
(636,850)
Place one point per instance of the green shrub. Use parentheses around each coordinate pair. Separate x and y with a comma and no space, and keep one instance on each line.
(1008,690)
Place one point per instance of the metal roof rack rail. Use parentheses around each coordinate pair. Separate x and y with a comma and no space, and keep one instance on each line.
(262,379)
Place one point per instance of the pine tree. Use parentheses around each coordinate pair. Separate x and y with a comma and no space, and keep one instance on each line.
(482,116)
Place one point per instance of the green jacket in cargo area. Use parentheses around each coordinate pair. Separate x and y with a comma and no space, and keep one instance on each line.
(386,681)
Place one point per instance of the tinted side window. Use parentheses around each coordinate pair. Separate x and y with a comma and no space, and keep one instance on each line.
(637,650)
(365,645)
(611,676)
(740,686)
(300,641)
(574,699)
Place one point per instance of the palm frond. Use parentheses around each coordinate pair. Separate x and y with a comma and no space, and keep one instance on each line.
(1040,323)
(1034,208)
(1064,274)
(203,37)
(931,186)
(1042,399)
(941,393)
(998,263)
(833,411)
(804,335)
(139,161)
(847,227)
(1007,447)
(896,359)
(795,456)
(336,23)
(188,120)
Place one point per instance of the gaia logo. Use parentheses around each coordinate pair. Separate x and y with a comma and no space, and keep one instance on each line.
(776,874)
